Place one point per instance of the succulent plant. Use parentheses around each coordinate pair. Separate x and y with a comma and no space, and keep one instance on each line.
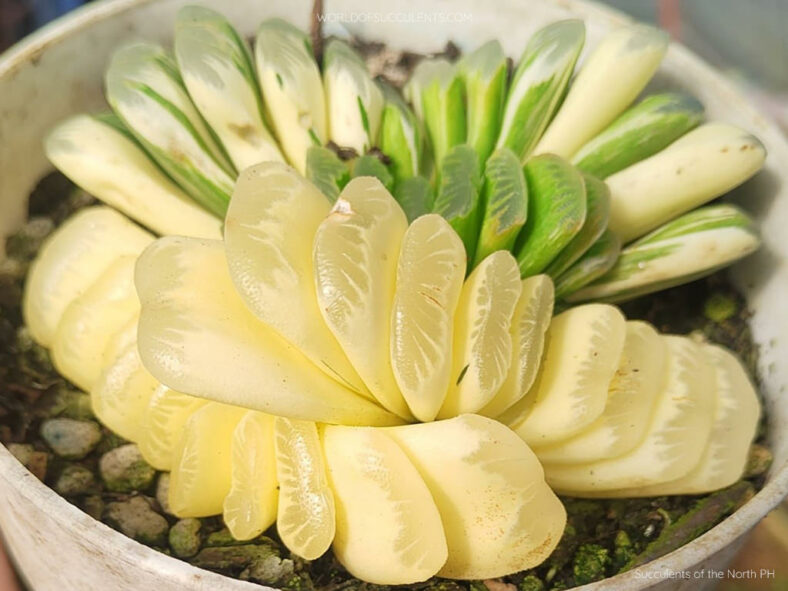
(367,354)
(210,111)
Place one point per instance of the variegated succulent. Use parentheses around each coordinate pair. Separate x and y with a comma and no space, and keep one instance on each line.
(363,351)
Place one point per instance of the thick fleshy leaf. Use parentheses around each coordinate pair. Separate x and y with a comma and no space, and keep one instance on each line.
(164,420)
(401,137)
(482,348)
(498,514)
(306,519)
(530,322)
(435,90)
(484,72)
(272,218)
(371,165)
(430,272)
(597,215)
(354,102)
(104,159)
(71,260)
(197,336)
(384,508)
(584,346)
(597,261)
(202,471)
(700,166)
(642,131)
(326,171)
(459,195)
(250,506)
(609,80)
(539,83)
(355,264)
(90,321)
(144,88)
(689,247)
(505,200)
(121,394)
(556,212)
(638,381)
(216,67)
(736,414)
(675,438)
(415,196)
(292,89)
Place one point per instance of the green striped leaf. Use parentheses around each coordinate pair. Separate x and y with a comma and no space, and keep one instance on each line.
(685,249)
(484,73)
(597,214)
(640,132)
(370,165)
(354,102)
(698,167)
(556,212)
(327,171)
(415,196)
(217,69)
(594,263)
(292,89)
(100,155)
(401,138)
(458,199)
(539,83)
(145,90)
(505,202)
(610,79)
(436,92)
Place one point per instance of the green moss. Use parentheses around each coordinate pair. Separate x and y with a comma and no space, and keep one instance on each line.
(531,583)
(452,586)
(184,537)
(623,550)
(720,307)
(590,563)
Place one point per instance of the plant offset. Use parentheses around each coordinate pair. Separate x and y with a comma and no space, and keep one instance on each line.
(343,323)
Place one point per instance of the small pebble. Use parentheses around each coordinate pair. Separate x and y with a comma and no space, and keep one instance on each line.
(136,518)
(498,585)
(222,537)
(67,402)
(124,470)
(69,438)
(185,537)
(35,461)
(26,242)
(163,492)
(21,451)
(231,557)
(75,480)
(93,505)
(270,570)
(758,462)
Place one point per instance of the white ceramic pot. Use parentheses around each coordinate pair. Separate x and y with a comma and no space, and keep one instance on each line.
(58,71)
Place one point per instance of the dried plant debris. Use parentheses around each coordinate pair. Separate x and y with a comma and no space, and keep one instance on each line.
(49,426)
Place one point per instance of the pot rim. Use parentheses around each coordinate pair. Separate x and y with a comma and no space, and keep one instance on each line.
(683,558)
